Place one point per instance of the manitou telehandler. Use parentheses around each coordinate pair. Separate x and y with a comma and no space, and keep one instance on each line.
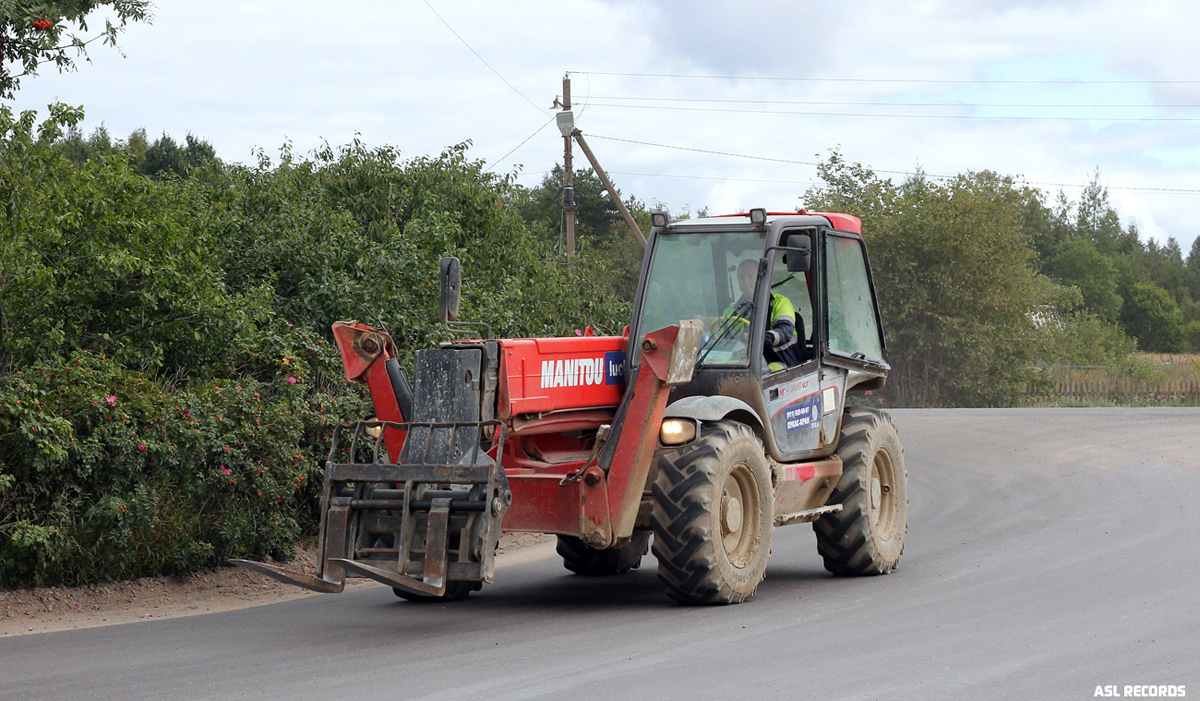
(679,429)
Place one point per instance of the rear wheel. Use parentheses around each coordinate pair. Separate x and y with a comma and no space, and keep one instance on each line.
(713,517)
(867,536)
(455,591)
(582,560)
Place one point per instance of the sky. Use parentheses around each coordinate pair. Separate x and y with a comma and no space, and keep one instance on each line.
(697,104)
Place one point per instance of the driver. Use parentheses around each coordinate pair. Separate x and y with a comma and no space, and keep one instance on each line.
(781,348)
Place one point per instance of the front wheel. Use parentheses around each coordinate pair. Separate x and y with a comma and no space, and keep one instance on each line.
(713,516)
(867,536)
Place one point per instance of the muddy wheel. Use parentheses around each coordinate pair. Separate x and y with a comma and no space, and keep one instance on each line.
(455,591)
(867,536)
(581,559)
(713,516)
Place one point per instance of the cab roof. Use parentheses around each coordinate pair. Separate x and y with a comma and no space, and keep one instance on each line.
(841,222)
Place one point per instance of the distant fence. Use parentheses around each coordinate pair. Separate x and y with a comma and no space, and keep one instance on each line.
(1110,391)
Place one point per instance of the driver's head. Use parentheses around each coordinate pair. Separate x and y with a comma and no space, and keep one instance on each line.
(747,271)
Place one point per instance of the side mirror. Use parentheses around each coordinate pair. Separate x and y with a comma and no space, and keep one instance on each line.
(449,289)
(799,255)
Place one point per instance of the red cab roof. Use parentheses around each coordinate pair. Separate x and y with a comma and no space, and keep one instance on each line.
(841,222)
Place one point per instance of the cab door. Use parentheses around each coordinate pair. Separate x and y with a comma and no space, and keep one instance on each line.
(793,395)
(852,335)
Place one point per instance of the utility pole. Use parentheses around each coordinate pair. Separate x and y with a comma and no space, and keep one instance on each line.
(566,126)
(568,165)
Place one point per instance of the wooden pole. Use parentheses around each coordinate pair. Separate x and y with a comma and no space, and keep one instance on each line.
(568,174)
(612,191)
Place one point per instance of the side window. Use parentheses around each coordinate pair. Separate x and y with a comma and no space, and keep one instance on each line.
(852,324)
(794,286)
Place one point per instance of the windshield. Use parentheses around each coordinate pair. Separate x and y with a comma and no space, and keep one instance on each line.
(695,276)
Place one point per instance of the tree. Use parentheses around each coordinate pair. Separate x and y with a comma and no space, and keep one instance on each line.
(600,232)
(96,256)
(542,207)
(954,276)
(1153,318)
(1193,269)
(36,33)
(166,158)
(1098,222)
(1077,262)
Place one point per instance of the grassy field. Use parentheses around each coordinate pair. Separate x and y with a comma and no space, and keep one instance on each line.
(1146,379)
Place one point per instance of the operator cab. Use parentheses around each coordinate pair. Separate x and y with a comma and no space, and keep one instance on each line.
(818,265)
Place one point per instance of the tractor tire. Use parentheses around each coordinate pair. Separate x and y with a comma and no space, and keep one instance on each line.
(713,516)
(867,536)
(455,591)
(589,562)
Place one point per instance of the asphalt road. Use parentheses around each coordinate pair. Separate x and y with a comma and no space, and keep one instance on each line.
(1049,552)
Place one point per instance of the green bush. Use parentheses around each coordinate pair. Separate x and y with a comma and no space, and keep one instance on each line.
(106,473)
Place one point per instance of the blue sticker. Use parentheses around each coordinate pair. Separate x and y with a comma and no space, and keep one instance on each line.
(614,368)
(803,415)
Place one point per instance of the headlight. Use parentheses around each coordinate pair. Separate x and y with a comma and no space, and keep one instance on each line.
(677,431)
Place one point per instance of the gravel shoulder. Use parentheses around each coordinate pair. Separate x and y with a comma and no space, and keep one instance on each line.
(47,609)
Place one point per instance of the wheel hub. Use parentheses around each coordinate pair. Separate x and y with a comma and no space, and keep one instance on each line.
(740,516)
(882,501)
(731,510)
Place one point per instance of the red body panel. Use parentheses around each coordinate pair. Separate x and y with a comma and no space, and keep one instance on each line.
(365,351)
(601,504)
(538,375)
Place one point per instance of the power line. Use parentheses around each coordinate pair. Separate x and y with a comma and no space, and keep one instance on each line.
(1161,190)
(880,103)
(489,66)
(715,177)
(1116,188)
(896,116)
(514,148)
(934,81)
(701,150)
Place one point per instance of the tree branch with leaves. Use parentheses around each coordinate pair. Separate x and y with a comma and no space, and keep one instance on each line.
(33,34)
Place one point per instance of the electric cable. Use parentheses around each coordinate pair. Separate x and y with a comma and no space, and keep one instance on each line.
(897,116)
(482,60)
(500,160)
(1166,190)
(931,81)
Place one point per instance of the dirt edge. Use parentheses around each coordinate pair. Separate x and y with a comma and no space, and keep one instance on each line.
(48,609)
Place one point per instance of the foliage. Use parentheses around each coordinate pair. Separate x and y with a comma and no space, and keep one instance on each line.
(162,158)
(1077,262)
(113,473)
(157,412)
(95,256)
(1069,334)
(36,33)
(602,238)
(954,279)
(357,233)
(1154,318)
(542,207)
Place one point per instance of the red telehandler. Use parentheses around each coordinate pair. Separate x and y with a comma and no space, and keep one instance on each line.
(679,429)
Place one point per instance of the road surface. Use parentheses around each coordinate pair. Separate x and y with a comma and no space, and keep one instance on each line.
(1050,552)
